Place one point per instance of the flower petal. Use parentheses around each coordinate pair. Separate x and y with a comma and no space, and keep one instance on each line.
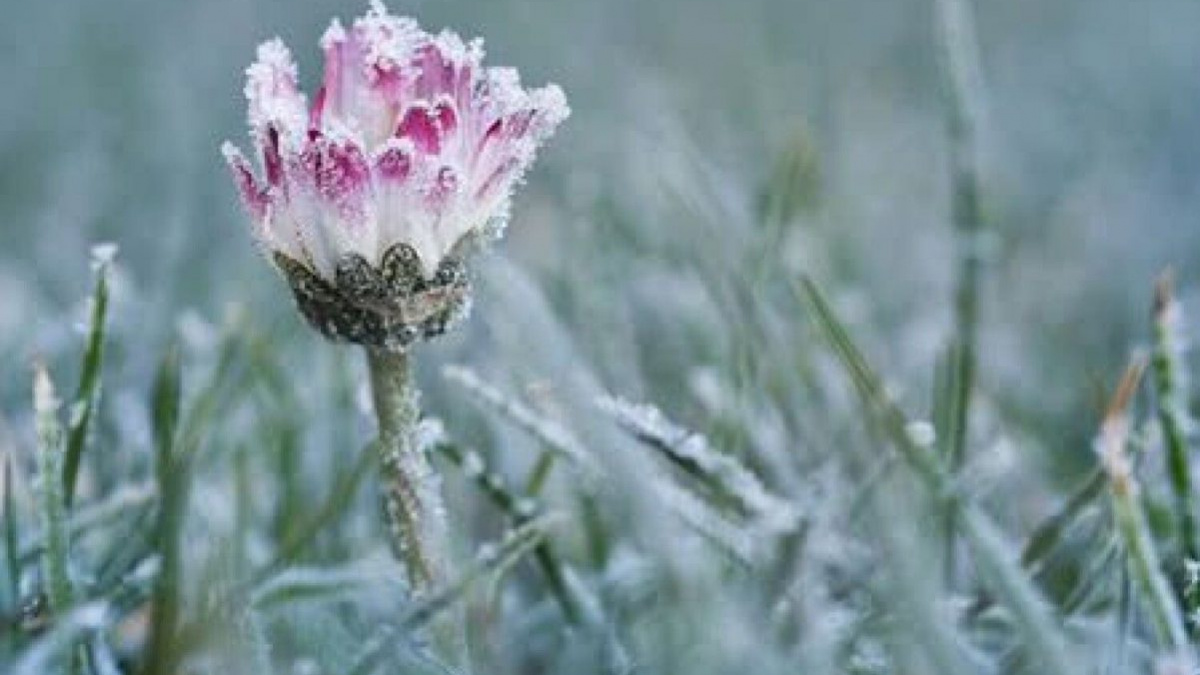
(271,89)
(254,197)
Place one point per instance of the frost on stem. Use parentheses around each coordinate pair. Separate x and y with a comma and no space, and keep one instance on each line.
(411,489)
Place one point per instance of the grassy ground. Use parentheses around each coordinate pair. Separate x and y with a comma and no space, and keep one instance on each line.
(826,338)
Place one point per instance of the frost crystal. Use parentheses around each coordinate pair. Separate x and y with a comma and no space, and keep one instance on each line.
(368,199)
(103,254)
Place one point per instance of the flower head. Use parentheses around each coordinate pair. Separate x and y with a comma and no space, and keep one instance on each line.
(369,197)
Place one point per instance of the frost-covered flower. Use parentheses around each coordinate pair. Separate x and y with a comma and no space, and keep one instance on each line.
(370,198)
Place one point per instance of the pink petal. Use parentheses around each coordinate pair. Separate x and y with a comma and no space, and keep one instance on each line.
(272,90)
(419,125)
(395,163)
(254,197)
(340,176)
(318,108)
(333,85)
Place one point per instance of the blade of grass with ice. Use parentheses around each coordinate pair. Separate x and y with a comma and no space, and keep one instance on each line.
(721,474)
(122,503)
(299,584)
(12,533)
(56,555)
(492,559)
(1140,550)
(171,473)
(520,510)
(1171,387)
(87,395)
(1049,533)
(963,96)
(555,436)
(1043,636)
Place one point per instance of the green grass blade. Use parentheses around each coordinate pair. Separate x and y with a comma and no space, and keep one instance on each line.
(998,569)
(552,434)
(519,510)
(309,584)
(87,394)
(1171,382)
(171,472)
(334,505)
(1049,533)
(12,533)
(56,555)
(1132,526)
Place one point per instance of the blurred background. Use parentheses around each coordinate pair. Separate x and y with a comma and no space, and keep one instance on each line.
(717,150)
(115,111)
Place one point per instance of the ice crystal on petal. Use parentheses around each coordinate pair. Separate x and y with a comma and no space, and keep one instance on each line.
(410,146)
(271,89)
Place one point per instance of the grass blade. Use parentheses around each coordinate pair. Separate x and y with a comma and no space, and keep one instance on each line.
(998,569)
(171,473)
(12,532)
(1171,387)
(56,556)
(519,510)
(1049,533)
(87,394)
(722,476)
(492,560)
(300,584)
(553,435)
(1132,526)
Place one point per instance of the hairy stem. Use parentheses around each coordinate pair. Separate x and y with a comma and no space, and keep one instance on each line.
(412,499)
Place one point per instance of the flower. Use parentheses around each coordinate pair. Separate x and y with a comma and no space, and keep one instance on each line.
(370,198)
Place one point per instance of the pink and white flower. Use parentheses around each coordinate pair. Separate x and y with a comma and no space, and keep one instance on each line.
(409,148)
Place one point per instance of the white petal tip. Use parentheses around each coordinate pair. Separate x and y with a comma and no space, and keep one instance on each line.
(333,35)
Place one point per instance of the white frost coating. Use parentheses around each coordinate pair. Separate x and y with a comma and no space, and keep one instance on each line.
(921,433)
(487,553)
(526,508)
(272,93)
(429,433)
(557,437)
(103,254)
(389,40)
(707,522)
(40,658)
(45,401)
(649,424)
(473,465)
(332,35)
(1191,574)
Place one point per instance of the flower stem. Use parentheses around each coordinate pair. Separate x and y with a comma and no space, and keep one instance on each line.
(412,500)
